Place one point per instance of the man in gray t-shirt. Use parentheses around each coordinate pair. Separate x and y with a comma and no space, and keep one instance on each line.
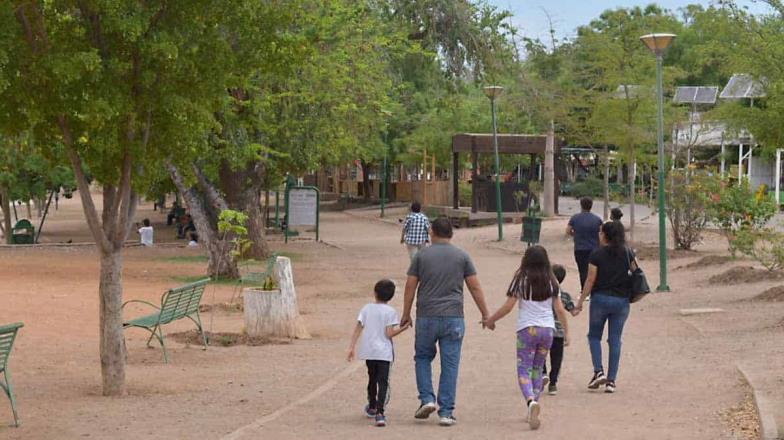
(436,278)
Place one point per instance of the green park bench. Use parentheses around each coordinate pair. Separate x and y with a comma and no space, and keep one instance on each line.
(7,336)
(182,302)
(23,232)
(257,279)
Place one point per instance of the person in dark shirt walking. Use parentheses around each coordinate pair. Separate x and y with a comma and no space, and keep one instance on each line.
(584,227)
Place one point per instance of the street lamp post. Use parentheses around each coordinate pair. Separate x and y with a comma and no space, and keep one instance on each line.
(493,92)
(658,44)
(384,177)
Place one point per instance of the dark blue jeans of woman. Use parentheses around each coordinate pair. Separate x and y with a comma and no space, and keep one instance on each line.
(613,310)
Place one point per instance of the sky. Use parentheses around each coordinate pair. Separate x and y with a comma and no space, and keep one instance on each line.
(531,19)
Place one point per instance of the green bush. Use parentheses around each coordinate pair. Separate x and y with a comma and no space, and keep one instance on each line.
(733,207)
(765,246)
(589,187)
(465,193)
(687,201)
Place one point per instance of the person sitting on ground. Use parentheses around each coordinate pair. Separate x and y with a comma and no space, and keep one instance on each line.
(415,230)
(616,214)
(194,239)
(557,349)
(185,225)
(172,215)
(145,233)
(377,324)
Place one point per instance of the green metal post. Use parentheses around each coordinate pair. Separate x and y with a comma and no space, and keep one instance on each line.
(497,175)
(384,175)
(277,208)
(663,287)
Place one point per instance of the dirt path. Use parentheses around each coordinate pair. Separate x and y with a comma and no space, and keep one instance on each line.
(669,386)
(676,375)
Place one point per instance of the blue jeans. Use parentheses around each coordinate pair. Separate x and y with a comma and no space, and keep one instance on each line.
(613,310)
(448,333)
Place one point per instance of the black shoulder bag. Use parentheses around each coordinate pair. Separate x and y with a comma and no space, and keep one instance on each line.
(638,284)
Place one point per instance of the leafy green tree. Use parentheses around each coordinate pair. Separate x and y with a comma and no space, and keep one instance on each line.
(123,86)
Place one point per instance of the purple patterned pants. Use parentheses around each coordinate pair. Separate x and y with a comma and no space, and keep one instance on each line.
(533,344)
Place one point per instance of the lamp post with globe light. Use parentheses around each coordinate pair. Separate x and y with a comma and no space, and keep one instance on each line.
(658,44)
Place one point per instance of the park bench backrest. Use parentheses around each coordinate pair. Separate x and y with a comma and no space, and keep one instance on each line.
(182,301)
(7,336)
(258,278)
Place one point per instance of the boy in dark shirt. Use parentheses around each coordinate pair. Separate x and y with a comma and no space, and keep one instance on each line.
(557,349)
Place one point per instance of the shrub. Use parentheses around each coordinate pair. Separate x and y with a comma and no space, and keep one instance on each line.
(465,193)
(590,187)
(686,206)
(733,207)
(766,246)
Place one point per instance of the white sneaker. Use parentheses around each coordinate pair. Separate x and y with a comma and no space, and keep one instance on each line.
(447,421)
(533,415)
(425,410)
(545,381)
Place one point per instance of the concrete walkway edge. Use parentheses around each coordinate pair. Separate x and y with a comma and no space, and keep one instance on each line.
(768,428)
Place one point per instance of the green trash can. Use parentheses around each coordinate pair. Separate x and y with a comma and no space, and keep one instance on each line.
(532,226)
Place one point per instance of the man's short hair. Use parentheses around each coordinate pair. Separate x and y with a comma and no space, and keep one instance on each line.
(442,227)
(559,272)
(146,222)
(384,290)
(416,207)
(586,203)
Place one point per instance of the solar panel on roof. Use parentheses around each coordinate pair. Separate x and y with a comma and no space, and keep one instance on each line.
(696,95)
(742,86)
(706,95)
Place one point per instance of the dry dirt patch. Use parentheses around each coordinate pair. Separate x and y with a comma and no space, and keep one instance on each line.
(774,294)
(709,260)
(742,419)
(745,274)
(651,252)
(225,339)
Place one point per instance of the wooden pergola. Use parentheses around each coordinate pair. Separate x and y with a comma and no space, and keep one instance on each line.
(482,143)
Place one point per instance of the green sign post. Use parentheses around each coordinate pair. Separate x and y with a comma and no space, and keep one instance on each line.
(302,208)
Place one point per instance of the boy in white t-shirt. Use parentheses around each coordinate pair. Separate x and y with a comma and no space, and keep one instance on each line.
(377,324)
(145,233)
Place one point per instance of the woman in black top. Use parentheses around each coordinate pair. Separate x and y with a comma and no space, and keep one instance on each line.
(608,284)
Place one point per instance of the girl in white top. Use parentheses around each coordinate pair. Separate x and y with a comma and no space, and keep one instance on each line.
(533,290)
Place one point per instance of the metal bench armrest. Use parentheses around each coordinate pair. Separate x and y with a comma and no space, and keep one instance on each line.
(139,301)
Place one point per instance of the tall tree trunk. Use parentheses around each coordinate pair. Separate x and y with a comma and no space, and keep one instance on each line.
(366,180)
(5,202)
(243,193)
(606,185)
(632,175)
(113,354)
(220,263)
(549,173)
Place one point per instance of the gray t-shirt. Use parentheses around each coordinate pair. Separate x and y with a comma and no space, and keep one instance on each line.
(586,227)
(441,269)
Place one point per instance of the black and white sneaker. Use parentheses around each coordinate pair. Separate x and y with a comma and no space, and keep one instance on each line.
(447,421)
(425,410)
(545,381)
(597,380)
(610,387)
(552,389)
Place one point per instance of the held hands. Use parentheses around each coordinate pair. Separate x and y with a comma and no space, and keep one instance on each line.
(406,321)
(488,323)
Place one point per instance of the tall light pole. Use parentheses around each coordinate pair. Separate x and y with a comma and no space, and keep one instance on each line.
(384,178)
(493,92)
(658,44)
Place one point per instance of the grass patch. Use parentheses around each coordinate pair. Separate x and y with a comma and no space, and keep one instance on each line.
(185,259)
(185,279)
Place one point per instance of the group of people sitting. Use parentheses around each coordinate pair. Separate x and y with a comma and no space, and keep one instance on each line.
(184,222)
